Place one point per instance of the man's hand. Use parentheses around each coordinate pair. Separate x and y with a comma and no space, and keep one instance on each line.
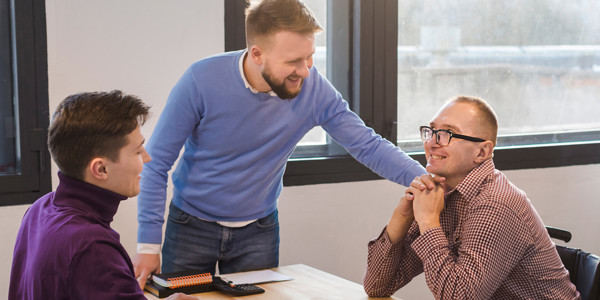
(427,207)
(144,265)
(180,296)
(401,220)
(426,181)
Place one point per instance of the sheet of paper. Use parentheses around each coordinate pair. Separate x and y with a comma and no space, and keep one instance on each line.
(255,277)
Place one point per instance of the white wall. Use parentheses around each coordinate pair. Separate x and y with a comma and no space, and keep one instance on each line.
(142,47)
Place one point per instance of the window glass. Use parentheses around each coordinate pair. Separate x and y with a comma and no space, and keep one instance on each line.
(537,62)
(8,129)
(317,135)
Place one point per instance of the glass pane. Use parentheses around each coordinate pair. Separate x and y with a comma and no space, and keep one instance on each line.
(8,129)
(317,135)
(541,74)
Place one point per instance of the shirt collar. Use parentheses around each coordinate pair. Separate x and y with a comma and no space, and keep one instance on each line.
(469,187)
(246,83)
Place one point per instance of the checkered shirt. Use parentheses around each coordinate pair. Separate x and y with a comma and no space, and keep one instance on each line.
(492,244)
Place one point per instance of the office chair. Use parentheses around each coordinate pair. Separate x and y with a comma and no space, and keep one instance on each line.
(583,267)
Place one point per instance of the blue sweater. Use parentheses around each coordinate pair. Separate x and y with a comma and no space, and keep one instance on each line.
(237,144)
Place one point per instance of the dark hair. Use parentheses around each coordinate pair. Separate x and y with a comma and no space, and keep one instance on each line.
(89,125)
(271,16)
(486,111)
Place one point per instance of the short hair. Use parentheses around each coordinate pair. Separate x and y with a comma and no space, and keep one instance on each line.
(89,125)
(268,17)
(488,116)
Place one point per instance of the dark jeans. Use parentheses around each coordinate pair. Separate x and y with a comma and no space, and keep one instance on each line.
(192,243)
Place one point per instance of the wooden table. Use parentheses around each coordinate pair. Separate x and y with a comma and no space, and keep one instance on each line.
(308,283)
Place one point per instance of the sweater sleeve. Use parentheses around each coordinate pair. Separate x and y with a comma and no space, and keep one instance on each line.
(176,123)
(99,271)
(362,142)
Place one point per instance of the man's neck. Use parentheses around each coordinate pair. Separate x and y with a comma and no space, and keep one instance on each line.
(254,76)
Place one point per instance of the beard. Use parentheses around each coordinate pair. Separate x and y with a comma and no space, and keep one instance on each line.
(279,88)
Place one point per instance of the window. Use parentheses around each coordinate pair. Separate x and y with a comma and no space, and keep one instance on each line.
(396,62)
(24,159)
(541,74)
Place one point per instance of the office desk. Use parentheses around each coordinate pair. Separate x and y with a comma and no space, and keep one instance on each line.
(308,283)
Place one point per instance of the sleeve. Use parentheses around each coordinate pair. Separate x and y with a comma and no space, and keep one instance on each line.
(99,271)
(494,240)
(181,115)
(391,266)
(362,142)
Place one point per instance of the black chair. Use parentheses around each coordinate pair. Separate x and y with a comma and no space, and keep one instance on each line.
(583,267)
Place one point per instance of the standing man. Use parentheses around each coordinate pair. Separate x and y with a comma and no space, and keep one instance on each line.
(476,235)
(65,247)
(240,115)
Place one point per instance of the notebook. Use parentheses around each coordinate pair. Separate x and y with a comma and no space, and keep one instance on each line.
(188,282)
(193,282)
(182,279)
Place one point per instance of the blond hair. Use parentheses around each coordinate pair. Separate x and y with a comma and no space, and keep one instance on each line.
(267,17)
(488,116)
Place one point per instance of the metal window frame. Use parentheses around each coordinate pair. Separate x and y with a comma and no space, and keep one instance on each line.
(30,63)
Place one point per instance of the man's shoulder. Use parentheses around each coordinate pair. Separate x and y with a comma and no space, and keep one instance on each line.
(219,60)
(496,188)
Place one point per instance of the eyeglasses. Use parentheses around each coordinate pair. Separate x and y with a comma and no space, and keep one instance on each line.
(444,136)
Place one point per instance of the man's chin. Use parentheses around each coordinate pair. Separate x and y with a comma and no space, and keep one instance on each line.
(432,169)
(287,94)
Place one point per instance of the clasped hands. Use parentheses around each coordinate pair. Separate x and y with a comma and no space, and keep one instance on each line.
(423,201)
(427,196)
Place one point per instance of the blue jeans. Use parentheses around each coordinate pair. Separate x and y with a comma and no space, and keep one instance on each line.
(192,243)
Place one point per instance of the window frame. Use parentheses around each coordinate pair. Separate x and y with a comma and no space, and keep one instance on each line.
(30,64)
(372,94)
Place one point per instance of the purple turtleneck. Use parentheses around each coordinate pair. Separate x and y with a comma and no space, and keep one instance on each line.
(66,249)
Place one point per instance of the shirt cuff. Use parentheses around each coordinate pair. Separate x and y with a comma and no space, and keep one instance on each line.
(383,244)
(148,248)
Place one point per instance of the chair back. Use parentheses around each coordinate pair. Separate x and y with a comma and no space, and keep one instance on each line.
(584,271)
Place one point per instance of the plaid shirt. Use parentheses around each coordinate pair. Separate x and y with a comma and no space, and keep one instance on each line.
(492,245)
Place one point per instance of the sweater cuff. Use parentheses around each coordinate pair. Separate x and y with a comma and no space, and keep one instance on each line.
(149,233)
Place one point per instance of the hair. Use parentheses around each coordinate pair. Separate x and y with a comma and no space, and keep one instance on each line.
(268,17)
(488,116)
(89,125)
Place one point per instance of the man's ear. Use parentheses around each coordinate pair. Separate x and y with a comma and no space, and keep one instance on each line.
(256,54)
(486,151)
(97,169)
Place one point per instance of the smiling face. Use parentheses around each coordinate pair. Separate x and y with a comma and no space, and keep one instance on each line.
(457,159)
(286,61)
(124,173)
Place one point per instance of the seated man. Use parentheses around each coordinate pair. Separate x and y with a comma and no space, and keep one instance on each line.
(475,235)
(65,248)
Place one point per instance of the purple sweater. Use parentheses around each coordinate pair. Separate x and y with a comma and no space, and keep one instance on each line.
(65,248)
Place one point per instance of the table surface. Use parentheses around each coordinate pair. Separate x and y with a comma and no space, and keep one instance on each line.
(308,283)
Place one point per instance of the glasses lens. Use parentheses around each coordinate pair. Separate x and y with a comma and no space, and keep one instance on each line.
(443,137)
(425,133)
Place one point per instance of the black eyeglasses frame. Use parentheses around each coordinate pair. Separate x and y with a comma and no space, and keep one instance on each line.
(452,134)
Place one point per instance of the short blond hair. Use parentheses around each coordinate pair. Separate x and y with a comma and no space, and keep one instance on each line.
(488,116)
(267,17)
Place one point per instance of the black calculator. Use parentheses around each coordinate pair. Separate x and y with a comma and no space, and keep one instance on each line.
(227,287)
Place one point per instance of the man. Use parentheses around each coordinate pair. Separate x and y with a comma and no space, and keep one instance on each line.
(240,115)
(65,248)
(475,235)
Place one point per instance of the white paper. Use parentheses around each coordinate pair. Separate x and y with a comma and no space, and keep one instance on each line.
(255,277)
